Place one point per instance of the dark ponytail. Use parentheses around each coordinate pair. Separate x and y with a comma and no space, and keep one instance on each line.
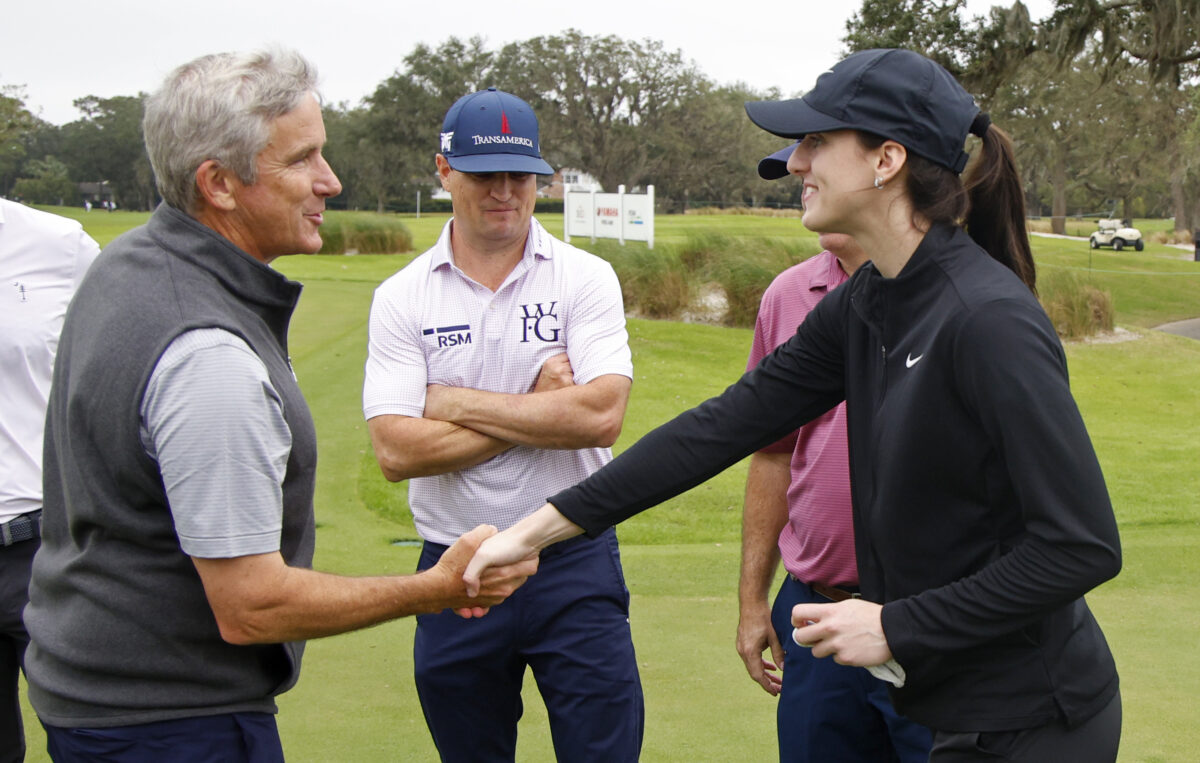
(996,212)
(988,202)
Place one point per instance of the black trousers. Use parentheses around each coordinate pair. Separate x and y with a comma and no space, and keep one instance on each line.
(15,563)
(1095,740)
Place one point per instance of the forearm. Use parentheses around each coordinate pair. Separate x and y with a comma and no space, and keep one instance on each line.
(580,416)
(260,599)
(408,447)
(696,445)
(1012,593)
(294,604)
(543,528)
(763,517)
(524,540)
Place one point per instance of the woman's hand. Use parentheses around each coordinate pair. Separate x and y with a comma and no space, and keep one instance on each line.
(850,631)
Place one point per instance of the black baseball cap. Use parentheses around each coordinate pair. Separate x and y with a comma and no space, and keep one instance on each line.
(894,93)
(492,131)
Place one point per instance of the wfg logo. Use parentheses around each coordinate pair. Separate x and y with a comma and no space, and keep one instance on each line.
(542,321)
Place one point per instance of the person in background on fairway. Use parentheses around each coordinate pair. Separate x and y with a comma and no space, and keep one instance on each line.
(798,508)
(42,259)
(171,596)
(498,372)
(981,516)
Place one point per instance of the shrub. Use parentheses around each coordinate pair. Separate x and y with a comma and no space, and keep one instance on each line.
(364,233)
(333,239)
(701,252)
(744,282)
(743,267)
(1076,309)
(1171,237)
(674,282)
(654,282)
(788,211)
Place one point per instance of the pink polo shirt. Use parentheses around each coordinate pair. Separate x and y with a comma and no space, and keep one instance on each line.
(817,543)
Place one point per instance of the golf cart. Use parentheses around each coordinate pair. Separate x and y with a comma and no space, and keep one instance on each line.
(1117,234)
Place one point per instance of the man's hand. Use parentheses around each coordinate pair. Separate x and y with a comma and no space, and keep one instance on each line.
(443,403)
(754,635)
(496,585)
(850,631)
(556,373)
(499,550)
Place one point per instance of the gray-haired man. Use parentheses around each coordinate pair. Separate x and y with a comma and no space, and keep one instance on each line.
(171,595)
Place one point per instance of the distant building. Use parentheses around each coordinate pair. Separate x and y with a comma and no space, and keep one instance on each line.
(97,193)
(568,179)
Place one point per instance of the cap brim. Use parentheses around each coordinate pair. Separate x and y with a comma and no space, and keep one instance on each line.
(774,166)
(792,118)
(476,163)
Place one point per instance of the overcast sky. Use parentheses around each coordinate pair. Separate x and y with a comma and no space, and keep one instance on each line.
(60,50)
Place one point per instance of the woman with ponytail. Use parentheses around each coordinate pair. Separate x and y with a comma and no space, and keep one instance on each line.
(981,514)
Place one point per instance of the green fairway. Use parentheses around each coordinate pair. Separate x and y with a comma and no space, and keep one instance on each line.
(1141,401)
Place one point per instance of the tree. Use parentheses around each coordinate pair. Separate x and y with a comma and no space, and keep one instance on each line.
(396,136)
(934,29)
(1160,36)
(604,103)
(48,183)
(107,144)
(713,150)
(15,122)
(982,52)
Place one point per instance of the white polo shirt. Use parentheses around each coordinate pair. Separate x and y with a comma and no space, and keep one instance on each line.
(42,260)
(431,324)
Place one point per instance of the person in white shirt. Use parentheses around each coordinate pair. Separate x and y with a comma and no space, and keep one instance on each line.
(42,259)
(498,372)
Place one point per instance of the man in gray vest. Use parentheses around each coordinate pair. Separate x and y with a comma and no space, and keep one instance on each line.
(172,593)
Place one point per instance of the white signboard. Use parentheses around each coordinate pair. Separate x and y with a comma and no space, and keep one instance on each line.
(578,217)
(617,215)
(637,214)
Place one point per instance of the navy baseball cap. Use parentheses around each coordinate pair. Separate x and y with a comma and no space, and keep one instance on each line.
(774,166)
(492,131)
(897,94)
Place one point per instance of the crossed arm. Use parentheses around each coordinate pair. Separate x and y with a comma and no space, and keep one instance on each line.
(462,427)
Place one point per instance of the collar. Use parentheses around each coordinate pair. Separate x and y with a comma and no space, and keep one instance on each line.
(827,277)
(871,292)
(186,238)
(538,243)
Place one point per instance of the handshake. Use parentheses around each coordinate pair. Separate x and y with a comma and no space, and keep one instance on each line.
(489,583)
(484,566)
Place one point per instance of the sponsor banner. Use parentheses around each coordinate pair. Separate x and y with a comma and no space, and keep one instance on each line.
(638,217)
(617,215)
(578,218)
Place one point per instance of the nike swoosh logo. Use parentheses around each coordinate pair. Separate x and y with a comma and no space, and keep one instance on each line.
(910,361)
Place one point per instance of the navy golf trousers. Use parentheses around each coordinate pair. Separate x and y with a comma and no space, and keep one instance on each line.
(570,625)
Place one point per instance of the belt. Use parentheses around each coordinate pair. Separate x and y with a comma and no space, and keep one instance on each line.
(828,591)
(831,593)
(22,528)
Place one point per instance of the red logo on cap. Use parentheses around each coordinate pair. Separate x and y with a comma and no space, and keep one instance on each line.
(504,129)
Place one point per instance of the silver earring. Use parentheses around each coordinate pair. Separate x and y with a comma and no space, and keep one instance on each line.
(878,183)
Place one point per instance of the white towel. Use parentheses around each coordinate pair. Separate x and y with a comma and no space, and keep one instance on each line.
(889,671)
